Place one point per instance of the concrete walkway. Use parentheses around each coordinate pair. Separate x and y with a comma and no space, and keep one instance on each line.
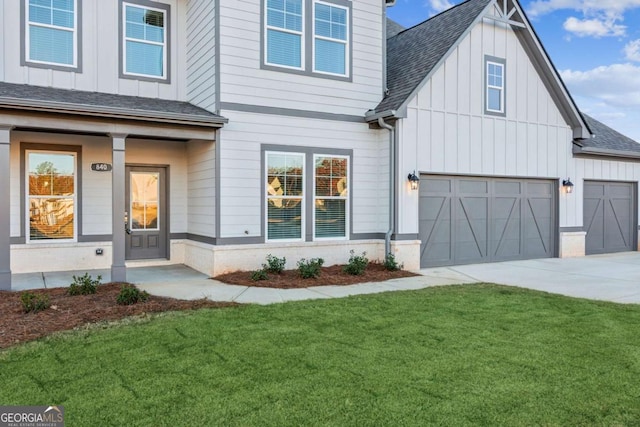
(611,277)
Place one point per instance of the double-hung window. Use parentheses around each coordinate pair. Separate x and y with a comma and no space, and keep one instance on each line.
(51,33)
(284,33)
(494,97)
(145,40)
(330,39)
(310,37)
(291,204)
(51,195)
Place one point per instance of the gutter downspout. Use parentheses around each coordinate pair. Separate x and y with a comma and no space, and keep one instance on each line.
(392,189)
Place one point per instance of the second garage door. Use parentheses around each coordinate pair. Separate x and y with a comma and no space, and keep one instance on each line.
(609,216)
(466,220)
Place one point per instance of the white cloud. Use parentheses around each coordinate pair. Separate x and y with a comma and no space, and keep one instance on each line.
(593,27)
(608,7)
(632,50)
(438,6)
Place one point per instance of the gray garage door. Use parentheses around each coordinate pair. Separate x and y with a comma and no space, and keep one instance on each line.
(609,216)
(466,220)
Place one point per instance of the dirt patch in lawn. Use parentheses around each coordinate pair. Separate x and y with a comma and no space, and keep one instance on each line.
(69,312)
(334,275)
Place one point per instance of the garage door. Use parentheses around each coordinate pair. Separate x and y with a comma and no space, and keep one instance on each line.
(466,220)
(609,216)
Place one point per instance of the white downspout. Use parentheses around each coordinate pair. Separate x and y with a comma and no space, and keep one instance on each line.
(392,189)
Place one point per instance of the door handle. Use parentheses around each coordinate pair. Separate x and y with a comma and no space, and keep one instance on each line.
(126,223)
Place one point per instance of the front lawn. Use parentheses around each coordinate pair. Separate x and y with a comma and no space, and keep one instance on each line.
(458,355)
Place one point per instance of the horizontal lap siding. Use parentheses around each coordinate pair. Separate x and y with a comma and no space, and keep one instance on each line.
(240,176)
(201,58)
(201,188)
(244,82)
(100,56)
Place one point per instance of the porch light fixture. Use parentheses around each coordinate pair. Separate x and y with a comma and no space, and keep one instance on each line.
(413,180)
(567,185)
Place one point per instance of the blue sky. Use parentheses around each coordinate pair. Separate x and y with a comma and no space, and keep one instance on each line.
(594,44)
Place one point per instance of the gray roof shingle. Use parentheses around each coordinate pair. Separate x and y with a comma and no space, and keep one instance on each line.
(413,53)
(606,138)
(393,28)
(81,102)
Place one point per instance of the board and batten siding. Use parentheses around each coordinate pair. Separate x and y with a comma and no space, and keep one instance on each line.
(201,53)
(201,189)
(241,191)
(446,130)
(100,56)
(244,82)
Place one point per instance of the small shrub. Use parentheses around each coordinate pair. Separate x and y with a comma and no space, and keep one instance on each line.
(391,264)
(84,285)
(259,275)
(32,303)
(357,264)
(130,295)
(274,264)
(310,269)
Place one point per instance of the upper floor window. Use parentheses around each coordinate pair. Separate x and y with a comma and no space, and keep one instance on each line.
(311,37)
(51,33)
(144,40)
(495,80)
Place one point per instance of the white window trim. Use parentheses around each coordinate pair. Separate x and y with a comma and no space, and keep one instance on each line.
(28,197)
(347,213)
(500,88)
(73,30)
(302,35)
(345,42)
(125,39)
(303,196)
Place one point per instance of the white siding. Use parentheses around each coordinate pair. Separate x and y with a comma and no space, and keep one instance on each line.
(201,58)
(240,176)
(100,60)
(447,132)
(244,82)
(201,188)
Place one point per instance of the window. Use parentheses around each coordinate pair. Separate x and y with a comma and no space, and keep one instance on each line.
(494,85)
(310,37)
(294,214)
(144,205)
(51,33)
(330,39)
(284,33)
(51,196)
(144,40)
(285,191)
(330,198)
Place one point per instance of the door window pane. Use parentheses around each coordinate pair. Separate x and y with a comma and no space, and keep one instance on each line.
(144,203)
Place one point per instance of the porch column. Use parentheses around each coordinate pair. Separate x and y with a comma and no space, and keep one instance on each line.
(5,212)
(118,268)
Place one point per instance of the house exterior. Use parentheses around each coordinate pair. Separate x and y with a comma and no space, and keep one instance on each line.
(213,133)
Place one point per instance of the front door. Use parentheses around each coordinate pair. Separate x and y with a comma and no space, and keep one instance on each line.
(146,212)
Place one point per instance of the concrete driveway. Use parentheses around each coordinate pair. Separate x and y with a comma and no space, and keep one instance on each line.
(609,277)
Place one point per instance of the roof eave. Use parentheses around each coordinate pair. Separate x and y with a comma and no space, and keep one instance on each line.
(593,151)
(111,112)
(371,116)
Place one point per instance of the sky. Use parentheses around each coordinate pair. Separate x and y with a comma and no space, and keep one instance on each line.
(594,44)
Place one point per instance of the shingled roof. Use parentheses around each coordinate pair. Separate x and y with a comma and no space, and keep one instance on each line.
(606,141)
(413,53)
(47,99)
(393,28)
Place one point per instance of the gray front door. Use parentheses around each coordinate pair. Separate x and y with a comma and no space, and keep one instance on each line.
(609,215)
(464,220)
(146,212)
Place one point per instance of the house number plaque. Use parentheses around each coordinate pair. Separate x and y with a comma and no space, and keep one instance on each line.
(101,167)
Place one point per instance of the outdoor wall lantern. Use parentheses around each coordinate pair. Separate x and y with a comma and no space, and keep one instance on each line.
(413,180)
(567,185)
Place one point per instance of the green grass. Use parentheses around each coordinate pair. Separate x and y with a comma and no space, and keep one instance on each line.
(461,355)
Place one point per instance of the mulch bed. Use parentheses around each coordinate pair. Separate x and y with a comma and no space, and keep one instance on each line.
(69,312)
(334,275)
